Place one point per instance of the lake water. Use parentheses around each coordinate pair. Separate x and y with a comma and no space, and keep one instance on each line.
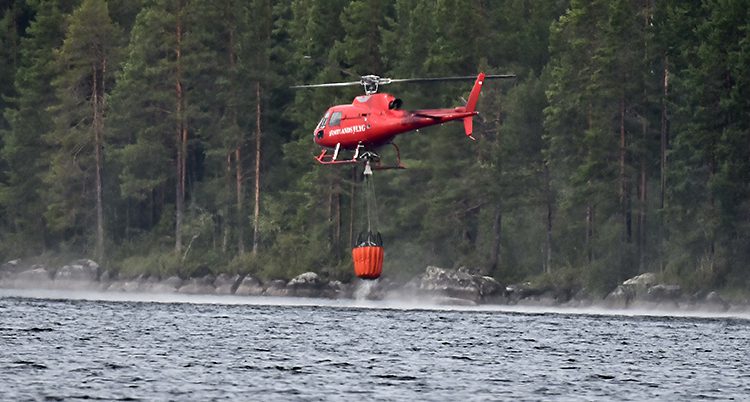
(68,346)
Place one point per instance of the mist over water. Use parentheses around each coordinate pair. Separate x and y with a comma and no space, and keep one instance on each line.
(58,345)
(364,288)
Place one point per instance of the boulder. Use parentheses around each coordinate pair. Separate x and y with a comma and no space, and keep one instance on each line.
(338,290)
(226,284)
(36,277)
(276,287)
(249,286)
(525,291)
(307,284)
(106,276)
(11,267)
(77,275)
(155,285)
(198,286)
(8,272)
(137,284)
(661,292)
(620,297)
(644,291)
(307,279)
(488,287)
(642,281)
(714,302)
(457,284)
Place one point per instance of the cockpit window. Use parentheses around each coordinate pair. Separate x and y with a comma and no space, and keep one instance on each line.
(335,119)
(322,123)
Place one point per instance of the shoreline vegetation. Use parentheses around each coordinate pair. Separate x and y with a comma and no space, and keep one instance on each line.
(162,139)
(459,287)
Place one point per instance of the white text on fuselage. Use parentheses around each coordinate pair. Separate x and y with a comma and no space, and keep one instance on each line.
(347,130)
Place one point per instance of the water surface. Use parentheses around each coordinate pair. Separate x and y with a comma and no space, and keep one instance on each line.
(136,347)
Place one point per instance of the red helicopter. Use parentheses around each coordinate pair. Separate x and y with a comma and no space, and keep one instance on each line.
(374,119)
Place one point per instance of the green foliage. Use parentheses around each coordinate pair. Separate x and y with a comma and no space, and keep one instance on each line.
(567,185)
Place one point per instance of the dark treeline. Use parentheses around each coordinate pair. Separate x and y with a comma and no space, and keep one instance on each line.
(161,137)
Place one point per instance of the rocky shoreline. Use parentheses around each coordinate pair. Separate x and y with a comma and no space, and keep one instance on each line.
(442,286)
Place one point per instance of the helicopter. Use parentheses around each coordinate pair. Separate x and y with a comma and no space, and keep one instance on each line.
(374,119)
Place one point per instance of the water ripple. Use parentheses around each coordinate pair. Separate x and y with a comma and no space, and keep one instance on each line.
(58,349)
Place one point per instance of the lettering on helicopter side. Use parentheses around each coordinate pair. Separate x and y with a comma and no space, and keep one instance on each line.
(347,130)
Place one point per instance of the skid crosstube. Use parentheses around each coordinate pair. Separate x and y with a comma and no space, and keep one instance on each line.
(331,159)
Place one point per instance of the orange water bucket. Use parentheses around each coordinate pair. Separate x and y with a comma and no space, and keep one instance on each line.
(368,261)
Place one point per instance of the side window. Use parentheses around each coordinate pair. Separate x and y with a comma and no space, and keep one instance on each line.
(335,119)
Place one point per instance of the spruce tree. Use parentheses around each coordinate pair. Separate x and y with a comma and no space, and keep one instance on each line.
(24,153)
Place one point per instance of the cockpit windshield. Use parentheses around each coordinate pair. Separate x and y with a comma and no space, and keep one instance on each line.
(322,123)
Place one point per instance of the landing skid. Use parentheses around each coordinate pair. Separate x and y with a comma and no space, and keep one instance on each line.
(361,155)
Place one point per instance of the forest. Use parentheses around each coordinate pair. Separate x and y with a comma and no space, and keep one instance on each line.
(161,137)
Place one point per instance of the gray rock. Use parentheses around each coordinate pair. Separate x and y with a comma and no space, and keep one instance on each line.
(620,297)
(137,284)
(338,290)
(714,302)
(440,282)
(37,277)
(198,286)
(307,279)
(527,293)
(11,267)
(78,271)
(154,285)
(226,284)
(173,282)
(249,286)
(307,284)
(106,276)
(276,287)
(642,281)
(663,292)
(643,291)
(488,287)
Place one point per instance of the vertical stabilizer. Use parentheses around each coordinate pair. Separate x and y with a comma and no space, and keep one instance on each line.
(471,104)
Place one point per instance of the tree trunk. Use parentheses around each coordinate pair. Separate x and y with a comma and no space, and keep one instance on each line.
(337,221)
(239,179)
(495,251)
(256,209)
(180,138)
(664,134)
(589,233)
(548,238)
(642,200)
(239,220)
(97,95)
(227,208)
(624,190)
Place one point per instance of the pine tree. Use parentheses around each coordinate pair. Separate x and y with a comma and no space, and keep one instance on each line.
(153,114)
(86,59)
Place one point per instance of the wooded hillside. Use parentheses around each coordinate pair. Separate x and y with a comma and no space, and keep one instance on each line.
(161,137)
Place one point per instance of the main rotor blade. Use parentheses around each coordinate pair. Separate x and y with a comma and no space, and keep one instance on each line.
(330,84)
(456,78)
